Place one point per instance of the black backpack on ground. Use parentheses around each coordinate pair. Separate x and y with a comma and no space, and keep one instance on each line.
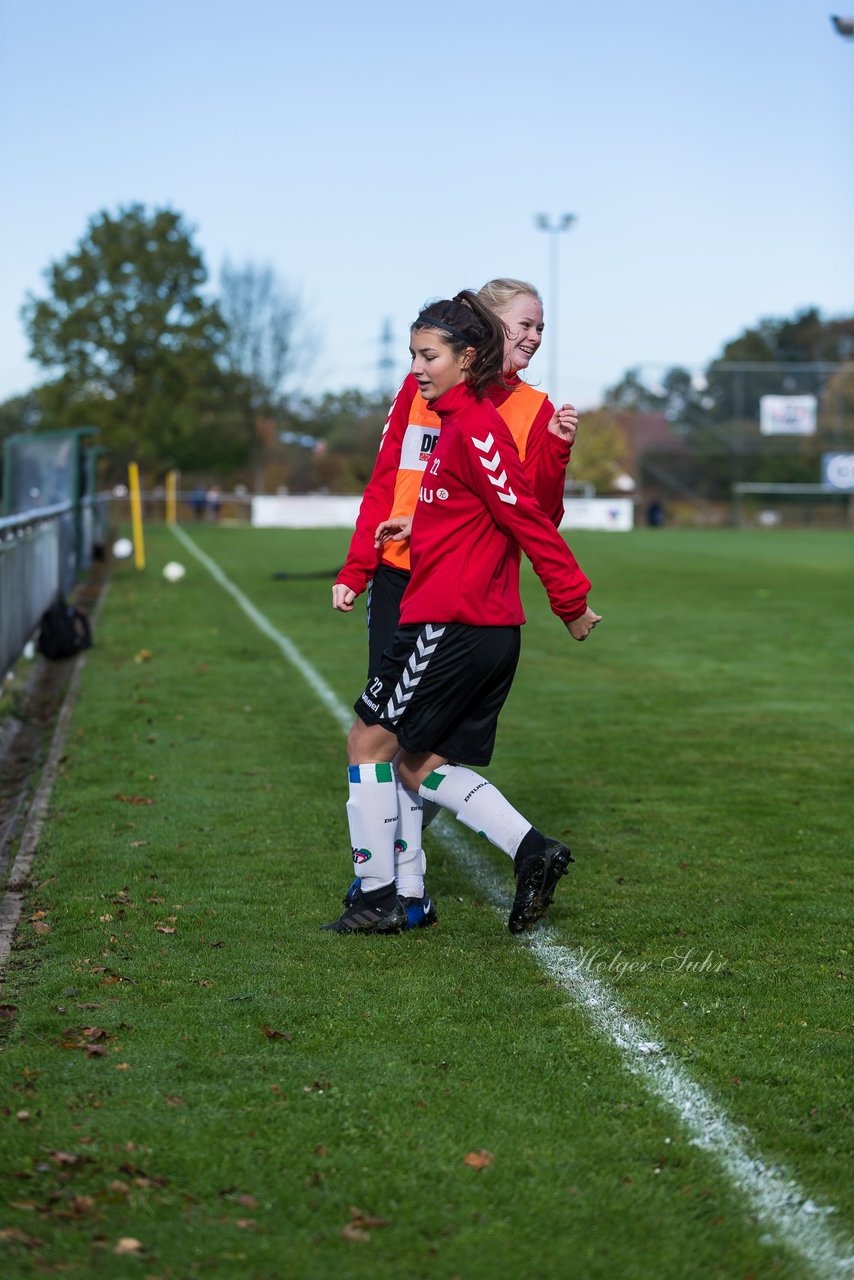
(64,630)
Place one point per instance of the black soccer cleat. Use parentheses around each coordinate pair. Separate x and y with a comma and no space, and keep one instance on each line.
(420,912)
(536,881)
(362,916)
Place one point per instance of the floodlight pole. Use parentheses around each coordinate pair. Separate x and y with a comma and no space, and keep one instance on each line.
(544,223)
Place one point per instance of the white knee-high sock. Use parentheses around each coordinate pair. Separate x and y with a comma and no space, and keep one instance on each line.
(478,805)
(372,817)
(409,860)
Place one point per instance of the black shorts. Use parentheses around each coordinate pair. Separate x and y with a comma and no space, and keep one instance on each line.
(440,688)
(385,592)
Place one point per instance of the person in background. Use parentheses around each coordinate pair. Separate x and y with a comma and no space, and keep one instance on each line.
(199,503)
(214,501)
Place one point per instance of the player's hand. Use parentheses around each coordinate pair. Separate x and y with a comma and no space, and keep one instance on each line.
(564,423)
(343,597)
(395,529)
(580,628)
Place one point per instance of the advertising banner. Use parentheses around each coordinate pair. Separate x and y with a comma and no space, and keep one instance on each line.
(787,415)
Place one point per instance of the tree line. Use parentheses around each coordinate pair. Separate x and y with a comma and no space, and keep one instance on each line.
(133,341)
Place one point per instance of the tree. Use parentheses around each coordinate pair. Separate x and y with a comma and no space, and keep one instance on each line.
(133,340)
(678,396)
(601,451)
(18,414)
(723,395)
(631,392)
(266,341)
(806,338)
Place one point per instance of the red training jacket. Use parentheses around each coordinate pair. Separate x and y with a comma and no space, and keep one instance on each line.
(475,509)
(545,458)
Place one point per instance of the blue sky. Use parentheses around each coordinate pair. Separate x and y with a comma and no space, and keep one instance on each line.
(381,154)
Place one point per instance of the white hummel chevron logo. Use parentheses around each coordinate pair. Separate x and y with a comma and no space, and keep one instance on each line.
(413,671)
(492,464)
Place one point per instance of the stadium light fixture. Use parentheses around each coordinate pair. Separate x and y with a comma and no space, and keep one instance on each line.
(843,26)
(544,223)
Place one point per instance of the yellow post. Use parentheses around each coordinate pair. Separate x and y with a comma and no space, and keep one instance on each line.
(136,516)
(172,497)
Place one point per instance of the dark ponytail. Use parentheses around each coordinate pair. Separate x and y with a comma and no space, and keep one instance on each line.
(464,321)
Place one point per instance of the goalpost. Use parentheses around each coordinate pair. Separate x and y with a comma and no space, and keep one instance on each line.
(798,492)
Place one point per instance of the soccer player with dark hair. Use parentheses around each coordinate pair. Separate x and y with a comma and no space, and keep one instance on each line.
(434,702)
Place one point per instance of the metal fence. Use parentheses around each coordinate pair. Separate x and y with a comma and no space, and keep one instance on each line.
(42,555)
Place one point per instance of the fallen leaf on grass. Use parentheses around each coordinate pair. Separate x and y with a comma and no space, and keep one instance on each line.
(133,799)
(276,1035)
(95,1050)
(79,1206)
(479,1159)
(64,1157)
(246,1224)
(8,1010)
(127,1244)
(37,915)
(41,926)
(138,844)
(174,1099)
(354,1234)
(16,1236)
(22,1115)
(248,1202)
(165,928)
(122,1066)
(366,1221)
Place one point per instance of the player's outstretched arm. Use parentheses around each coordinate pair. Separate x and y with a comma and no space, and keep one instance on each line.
(580,628)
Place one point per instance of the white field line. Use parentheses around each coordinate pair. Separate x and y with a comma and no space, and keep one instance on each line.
(785,1212)
(289,650)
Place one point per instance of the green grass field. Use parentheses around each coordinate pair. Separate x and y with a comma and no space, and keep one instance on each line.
(696,753)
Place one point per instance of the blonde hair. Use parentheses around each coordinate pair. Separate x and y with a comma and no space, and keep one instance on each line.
(499,293)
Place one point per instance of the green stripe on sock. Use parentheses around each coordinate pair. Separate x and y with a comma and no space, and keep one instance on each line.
(383,773)
(431,782)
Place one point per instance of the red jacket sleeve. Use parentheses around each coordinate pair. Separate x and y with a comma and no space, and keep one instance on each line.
(546,460)
(362,556)
(498,477)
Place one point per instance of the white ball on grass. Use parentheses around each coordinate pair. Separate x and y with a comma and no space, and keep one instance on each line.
(173,571)
(122,548)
